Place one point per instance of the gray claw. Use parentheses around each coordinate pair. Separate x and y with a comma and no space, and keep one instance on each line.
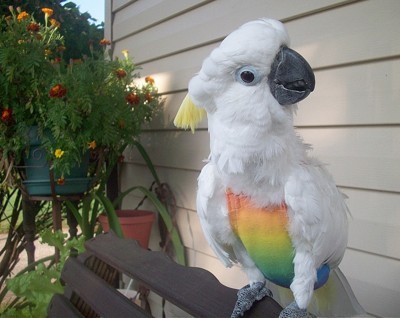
(293,311)
(247,296)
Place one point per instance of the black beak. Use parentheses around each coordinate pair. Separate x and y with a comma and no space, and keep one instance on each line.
(291,78)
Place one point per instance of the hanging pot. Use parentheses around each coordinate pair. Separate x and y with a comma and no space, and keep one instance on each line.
(136,224)
(37,182)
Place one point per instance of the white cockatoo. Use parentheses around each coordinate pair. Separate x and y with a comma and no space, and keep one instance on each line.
(262,201)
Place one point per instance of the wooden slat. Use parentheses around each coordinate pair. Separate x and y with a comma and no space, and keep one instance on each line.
(104,299)
(188,288)
(375,238)
(141,14)
(208,23)
(364,94)
(118,4)
(374,206)
(348,34)
(360,157)
(61,307)
(317,37)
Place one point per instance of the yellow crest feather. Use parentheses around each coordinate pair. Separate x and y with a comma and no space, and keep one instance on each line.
(189,115)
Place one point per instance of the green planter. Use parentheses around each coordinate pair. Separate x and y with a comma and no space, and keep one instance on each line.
(37,182)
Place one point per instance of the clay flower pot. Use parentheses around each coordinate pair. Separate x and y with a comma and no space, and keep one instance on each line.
(136,224)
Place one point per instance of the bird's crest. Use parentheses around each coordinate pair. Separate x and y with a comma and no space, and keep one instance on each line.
(189,115)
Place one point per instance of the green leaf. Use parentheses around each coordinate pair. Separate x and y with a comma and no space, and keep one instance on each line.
(147,159)
(111,214)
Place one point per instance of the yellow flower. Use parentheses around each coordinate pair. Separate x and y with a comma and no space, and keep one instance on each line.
(47,12)
(92,144)
(125,53)
(59,153)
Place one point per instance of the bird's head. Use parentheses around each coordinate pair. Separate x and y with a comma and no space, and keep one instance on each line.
(252,78)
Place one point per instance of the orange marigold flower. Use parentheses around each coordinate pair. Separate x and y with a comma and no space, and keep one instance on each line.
(47,12)
(33,27)
(105,42)
(47,52)
(121,73)
(149,80)
(6,115)
(92,144)
(58,91)
(132,99)
(55,23)
(61,181)
(22,16)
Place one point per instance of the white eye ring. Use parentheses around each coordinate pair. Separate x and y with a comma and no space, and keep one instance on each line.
(248,75)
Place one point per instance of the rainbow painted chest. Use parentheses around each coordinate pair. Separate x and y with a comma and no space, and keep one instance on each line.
(264,234)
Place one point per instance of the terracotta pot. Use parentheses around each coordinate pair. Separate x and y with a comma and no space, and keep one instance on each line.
(136,224)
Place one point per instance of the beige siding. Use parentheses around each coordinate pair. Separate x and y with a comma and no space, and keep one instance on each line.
(352,119)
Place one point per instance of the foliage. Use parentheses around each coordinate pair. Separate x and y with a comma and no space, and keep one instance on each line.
(88,103)
(26,49)
(96,203)
(34,287)
(11,211)
(77,28)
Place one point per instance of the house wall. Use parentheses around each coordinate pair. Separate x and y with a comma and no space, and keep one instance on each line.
(352,119)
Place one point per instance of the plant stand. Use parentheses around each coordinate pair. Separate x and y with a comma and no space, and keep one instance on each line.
(56,217)
(57,221)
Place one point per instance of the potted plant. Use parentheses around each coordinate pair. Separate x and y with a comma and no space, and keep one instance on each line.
(26,50)
(88,105)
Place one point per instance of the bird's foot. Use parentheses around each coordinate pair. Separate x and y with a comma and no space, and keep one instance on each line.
(293,311)
(247,296)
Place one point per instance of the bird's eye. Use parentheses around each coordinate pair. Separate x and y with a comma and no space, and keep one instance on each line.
(247,75)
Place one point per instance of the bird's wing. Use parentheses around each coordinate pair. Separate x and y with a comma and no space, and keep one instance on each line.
(317,213)
(213,215)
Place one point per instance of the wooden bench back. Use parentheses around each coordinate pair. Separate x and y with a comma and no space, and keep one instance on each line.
(90,278)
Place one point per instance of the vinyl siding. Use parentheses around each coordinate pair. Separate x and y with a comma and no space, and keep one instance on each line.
(352,119)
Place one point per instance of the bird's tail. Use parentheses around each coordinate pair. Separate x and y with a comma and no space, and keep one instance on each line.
(334,299)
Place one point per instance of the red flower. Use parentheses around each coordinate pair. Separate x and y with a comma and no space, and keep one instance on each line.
(58,91)
(132,99)
(6,115)
(57,60)
(33,27)
(61,181)
(121,73)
